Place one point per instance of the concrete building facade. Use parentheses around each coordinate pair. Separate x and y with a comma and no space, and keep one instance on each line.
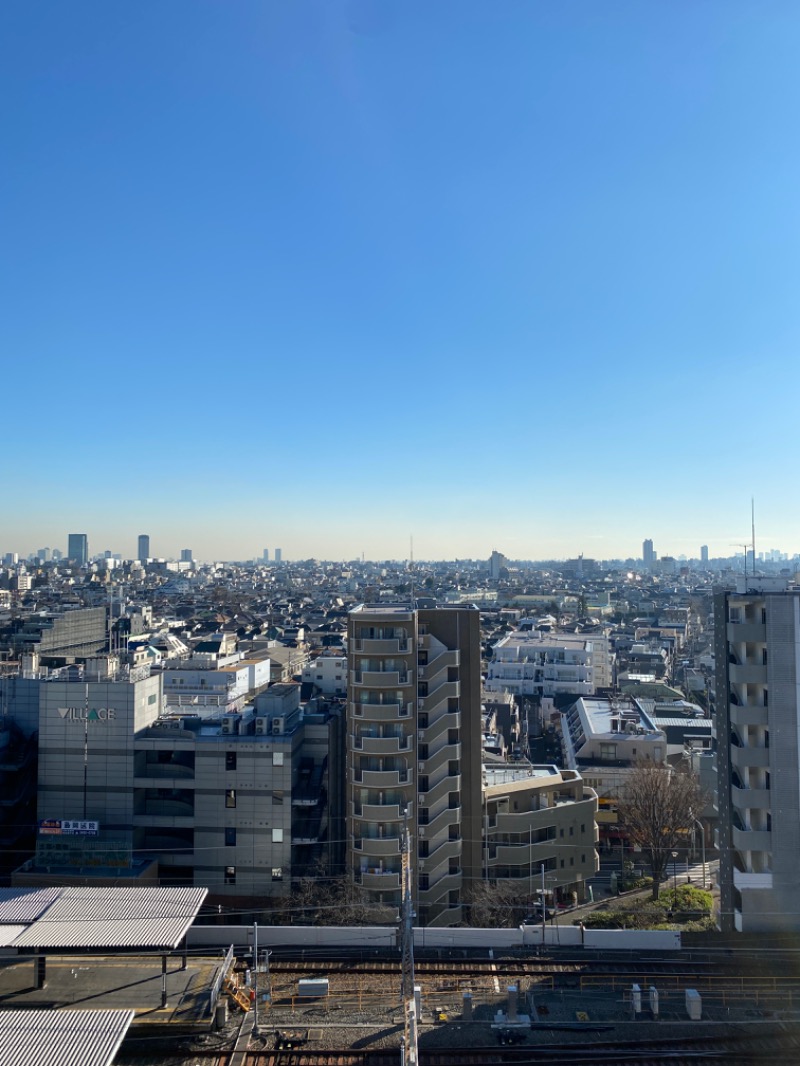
(757,727)
(414,754)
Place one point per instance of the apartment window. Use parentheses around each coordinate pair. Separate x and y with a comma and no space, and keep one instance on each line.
(571,831)
(230,838)
(230,797)
(277,873)
(562,864)
(277,836)
(277,796)
(230,760)
(572,862)
(608,751)
(230,875)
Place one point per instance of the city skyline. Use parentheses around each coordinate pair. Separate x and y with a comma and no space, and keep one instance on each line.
(350,272)
(95,551)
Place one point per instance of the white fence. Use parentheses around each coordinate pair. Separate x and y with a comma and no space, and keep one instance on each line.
(381,938)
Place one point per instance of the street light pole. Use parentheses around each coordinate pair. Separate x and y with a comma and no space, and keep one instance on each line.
(674,879)
(697,822)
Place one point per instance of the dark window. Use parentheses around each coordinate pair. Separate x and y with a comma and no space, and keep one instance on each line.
(230,875)
(230,760)
(277,796)
(230,838)
(230,797)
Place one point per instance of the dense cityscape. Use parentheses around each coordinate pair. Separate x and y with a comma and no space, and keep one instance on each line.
(316,744)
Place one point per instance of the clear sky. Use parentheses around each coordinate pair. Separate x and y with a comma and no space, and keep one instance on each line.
(517,275)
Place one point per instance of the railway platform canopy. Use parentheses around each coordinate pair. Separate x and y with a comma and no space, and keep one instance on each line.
(115,948)
(62,1038)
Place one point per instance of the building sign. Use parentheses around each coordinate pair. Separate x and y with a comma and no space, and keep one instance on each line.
(68,827)
(81,714)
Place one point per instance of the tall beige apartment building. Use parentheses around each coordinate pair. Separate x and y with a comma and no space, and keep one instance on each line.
(414,754)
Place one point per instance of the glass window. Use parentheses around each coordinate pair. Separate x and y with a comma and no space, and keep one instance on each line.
(277,758)
(230,875)
(230,797)
(277,873)
(230,838)
(277,796)
(230,760)
(277,836)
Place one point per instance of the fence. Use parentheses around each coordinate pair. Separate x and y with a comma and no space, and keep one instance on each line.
(227,962)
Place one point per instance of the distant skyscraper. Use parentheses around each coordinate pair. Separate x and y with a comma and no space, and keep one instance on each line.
(186,555)
(278,555)
(704,554)
(648,555)
(496,563)
(143,550)
(78,548)
(57,554)
(265,555)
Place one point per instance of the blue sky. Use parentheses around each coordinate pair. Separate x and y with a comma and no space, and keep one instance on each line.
(326,275)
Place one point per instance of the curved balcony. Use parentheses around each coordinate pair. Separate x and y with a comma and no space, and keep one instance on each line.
(394,646)
(377,846)
(381,712)
(754,798)
(381,678)
(382,778)
(368,745)
(378,881)
(748,674)
(752,839)
(378,812)
(750,714)
(746,756)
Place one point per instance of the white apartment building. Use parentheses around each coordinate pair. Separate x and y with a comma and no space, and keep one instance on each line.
(603,740)
(531,662)
(328,673)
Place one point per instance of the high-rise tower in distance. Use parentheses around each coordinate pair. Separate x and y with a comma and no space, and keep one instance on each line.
(78,548)
(648,555)
(143,548)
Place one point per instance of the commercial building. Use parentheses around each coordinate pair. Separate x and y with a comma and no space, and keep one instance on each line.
(143,548)
(414,754)
(234,802)
(757,724)
(78,548)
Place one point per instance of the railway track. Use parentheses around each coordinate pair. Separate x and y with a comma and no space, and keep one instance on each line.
(742,1050)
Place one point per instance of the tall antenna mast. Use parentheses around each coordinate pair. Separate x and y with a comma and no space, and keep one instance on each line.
(753,522)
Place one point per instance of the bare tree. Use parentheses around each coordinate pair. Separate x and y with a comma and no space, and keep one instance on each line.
(658,812)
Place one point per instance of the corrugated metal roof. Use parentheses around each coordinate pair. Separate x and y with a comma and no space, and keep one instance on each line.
(23,905)
(61,1038)
(9,933)
(128,917)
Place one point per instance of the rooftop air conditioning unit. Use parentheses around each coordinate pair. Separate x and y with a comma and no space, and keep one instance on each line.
(230,725)
(261,726)
(278,725)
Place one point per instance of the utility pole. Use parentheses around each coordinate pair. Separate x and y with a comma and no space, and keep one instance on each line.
(256,1033)
(544,907)
(409,1055)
